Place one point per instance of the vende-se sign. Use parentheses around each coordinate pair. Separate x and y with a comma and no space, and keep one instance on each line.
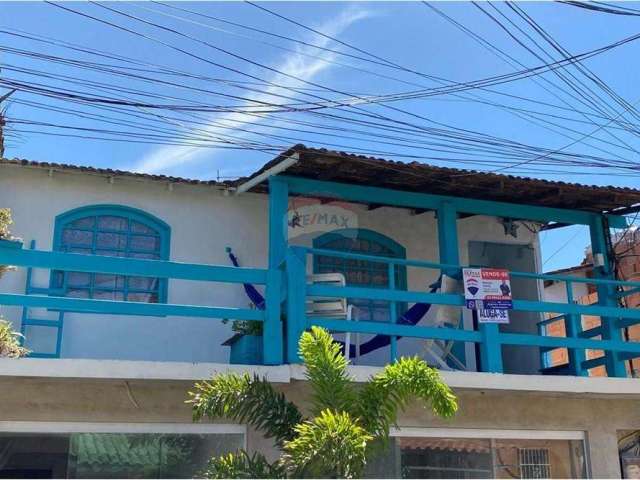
(488,290)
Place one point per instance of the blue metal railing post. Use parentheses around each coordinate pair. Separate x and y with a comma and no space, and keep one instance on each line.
(448,237)
(606,295)
(573,327)
(448,248)
(278,239)
(393,313)
(296,294)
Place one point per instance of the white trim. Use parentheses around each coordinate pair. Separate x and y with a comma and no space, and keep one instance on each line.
(277,168)
(107,427)
(131,369)
(488,434)
(77,368)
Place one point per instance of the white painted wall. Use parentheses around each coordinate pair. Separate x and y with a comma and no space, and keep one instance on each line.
(203,222)
(557,291)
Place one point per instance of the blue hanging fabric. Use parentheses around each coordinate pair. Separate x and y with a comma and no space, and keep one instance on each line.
(411,317)
(254,295)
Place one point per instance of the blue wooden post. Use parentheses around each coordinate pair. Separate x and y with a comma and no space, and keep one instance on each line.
(573,326)
(606,295)
(393,313)
(448,248)
(296,314)
(278,238)
(490,349)
(448,237)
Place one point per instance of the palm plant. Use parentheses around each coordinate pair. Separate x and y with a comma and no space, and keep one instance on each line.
(346,421)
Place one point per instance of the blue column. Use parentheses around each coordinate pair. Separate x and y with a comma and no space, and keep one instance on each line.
(448,248)
(296,318)
(606,295)
(393,314)
(448,237)
(278,238)
(573,326)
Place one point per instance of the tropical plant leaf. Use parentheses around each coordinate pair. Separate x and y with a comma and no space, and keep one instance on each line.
(243,465)
(326,371)
(246,399)
(389,391)
(349,423)
(332,445)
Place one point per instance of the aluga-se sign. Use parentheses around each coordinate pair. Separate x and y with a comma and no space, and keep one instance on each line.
(488,291)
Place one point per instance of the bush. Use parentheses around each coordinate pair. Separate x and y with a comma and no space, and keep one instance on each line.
(345,420)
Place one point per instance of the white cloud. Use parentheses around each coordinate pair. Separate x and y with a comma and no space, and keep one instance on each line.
(296,65)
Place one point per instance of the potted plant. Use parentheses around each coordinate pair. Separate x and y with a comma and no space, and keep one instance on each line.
(246,342)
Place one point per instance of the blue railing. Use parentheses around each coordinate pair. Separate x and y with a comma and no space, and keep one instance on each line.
(11,253)
(488,336)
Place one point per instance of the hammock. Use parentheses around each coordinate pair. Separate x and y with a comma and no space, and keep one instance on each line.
(254,295)
(411,317)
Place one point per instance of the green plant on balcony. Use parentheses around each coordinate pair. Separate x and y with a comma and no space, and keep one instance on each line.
(5,234)
(345,423)
(246,327)
(10,345)
(10,342)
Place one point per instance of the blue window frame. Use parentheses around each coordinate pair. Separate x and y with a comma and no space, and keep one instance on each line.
(111,230)
(363,273)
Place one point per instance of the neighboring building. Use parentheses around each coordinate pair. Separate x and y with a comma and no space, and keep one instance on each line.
(626,246)
(121,340)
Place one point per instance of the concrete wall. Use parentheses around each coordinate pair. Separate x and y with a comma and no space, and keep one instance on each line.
(65,400)
(557,291)
(203,222)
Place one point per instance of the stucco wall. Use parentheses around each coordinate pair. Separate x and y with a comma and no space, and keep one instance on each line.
(557,291)
(108,401)
(203,222)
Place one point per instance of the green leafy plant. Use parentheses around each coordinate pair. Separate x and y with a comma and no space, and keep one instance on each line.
(5,234)
(243,465)
(346,423)
(246,327)
(10,345)
(5,221)
(10,342)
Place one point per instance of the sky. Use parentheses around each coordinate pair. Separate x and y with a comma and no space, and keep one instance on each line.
(233,69)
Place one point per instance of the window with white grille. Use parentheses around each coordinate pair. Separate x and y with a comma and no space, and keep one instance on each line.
(534,463)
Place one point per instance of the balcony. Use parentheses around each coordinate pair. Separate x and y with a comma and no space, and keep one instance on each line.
(287,290)
(488,337)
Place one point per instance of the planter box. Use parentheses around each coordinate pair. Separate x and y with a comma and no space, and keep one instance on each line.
(4,243)
(245,349)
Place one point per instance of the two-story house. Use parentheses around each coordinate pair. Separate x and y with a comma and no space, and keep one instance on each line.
(124,281)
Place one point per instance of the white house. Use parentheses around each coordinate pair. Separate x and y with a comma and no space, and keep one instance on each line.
(97,382)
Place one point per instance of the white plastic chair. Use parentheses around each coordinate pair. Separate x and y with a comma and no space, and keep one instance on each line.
(446,316)
(330,306)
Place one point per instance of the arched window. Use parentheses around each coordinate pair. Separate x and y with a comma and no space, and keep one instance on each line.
(359,272)
(111,230)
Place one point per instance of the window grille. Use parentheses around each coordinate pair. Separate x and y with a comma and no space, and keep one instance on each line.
(534,463)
